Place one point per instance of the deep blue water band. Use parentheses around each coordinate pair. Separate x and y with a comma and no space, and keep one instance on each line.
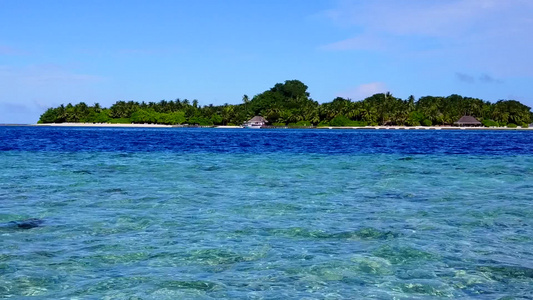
(266,141)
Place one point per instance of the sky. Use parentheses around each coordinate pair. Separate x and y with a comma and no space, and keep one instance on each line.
(59,51)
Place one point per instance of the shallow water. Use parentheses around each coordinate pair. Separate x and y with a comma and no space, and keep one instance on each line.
(268,214)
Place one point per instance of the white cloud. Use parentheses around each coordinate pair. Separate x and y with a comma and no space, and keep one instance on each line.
(364,90)
(38,75)
(486,36)
(29,90)
(361,42)
(430,18)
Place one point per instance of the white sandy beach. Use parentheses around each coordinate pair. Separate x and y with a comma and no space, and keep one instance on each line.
(427,128)
(123,125)
(104,125)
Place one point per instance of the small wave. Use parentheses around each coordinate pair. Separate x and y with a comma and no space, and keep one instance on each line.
(193,284)
(507,273)
(361,234)
(403,255)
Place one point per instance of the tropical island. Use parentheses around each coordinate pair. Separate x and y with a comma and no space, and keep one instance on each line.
(289,104)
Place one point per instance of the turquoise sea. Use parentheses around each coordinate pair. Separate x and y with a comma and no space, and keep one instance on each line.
(265,214)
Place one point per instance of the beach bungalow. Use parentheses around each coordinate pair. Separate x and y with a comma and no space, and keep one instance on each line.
(467,121)
(255,122)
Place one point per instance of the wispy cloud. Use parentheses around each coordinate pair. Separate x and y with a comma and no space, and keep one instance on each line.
(489,79)
(15,108)
(27,91)
(361,42)
(490,35)
(464,77)
(19,113)
(150,51)
(430,18)
(364,90)
(22,108)
(484,78)
(38,75)
(7,50)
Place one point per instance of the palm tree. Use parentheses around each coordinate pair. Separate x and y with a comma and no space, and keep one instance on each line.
(227,113)
(246,100)
(97,107)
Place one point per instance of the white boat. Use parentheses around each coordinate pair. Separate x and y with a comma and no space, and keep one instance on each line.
(252,126)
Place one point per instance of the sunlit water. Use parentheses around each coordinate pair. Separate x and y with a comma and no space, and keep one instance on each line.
(265,214)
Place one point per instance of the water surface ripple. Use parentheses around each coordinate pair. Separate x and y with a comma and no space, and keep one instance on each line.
(265,214)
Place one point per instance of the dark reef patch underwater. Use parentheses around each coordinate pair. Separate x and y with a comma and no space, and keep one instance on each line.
(26,224)
(96,213)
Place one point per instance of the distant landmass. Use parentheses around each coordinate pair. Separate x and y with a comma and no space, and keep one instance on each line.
(289,104)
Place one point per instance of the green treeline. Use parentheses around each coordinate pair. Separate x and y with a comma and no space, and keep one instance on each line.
(290,104)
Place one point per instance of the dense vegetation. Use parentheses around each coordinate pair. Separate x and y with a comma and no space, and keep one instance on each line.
(290,104)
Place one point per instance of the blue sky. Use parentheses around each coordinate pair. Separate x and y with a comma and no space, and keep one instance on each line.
(55,52)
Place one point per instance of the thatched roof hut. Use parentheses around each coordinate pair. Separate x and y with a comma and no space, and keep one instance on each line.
(256,122)
(257,119)
(468,121)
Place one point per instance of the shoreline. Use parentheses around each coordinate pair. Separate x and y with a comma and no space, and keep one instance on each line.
(240,127)
(425,128)
(103,125)
(132,125)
